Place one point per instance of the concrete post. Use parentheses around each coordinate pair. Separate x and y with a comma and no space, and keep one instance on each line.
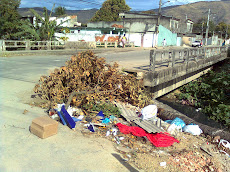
(173,58)
(27,44)
(105,44)
(1,45)
(196,55)
(48,45)
(152,60)
(187,57)
(115,44)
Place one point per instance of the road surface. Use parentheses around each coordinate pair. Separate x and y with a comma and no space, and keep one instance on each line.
(68,150)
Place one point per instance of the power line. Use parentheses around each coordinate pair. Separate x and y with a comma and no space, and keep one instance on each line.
(83,2)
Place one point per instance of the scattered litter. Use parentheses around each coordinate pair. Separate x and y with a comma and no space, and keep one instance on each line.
(225,143)
(25,111)
(91,127)
(80,117)
(176,126)
(112,118)
(55,117)
(117,140)
(99,124)
(178,122)
(71,110)
(107,133)
(114,131)
(162,164)
(59,106)
(88,119)
(105,121)
(68,119)
(62,118)
(121,138)
(76,119)
(174,129)
(101,115)
(44,127)
(193,129)
(158,139)
(225,153)
(149,112)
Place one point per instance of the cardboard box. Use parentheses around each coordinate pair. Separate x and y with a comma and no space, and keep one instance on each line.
(44,127)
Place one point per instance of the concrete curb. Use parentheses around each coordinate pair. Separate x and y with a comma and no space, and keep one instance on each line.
(64,52)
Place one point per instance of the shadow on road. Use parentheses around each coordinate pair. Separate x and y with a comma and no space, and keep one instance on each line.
(127,165)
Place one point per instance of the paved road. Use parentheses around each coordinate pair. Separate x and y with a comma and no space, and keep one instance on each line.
(22,151)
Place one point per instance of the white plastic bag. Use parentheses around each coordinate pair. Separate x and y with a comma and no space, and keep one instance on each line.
(149,112)
(193,129)
(174,129)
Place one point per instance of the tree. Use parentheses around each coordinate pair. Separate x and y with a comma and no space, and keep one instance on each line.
(110,10)
(60,11)
(197,27)
(43,29)
(221,29)
(9,18)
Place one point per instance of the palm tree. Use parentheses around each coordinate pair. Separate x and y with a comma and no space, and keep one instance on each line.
(43,29)
(60,11)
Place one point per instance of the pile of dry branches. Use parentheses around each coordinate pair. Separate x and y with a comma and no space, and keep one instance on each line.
(94,80)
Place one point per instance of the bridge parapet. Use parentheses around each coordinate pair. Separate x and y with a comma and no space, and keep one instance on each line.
(171,57)
(170,69)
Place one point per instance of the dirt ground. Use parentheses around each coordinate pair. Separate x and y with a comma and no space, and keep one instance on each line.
(193,153)
(184,156)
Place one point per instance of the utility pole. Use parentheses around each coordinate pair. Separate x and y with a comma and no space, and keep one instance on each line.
(206,36)
(202,30)
(159,17)
(226,32)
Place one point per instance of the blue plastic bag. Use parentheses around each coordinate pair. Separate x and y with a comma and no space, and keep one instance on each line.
(179,122)
(105,121)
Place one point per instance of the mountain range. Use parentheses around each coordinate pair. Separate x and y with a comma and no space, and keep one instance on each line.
(194,11)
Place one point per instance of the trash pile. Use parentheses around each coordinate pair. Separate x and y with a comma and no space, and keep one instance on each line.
(96,99)
(92,80)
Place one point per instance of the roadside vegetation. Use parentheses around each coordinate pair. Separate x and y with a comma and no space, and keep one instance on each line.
(211,93)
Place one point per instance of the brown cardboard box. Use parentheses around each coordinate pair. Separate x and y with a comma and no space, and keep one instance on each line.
(44,127)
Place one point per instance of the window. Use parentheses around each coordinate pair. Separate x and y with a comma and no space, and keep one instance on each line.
(114,32)
(105,32)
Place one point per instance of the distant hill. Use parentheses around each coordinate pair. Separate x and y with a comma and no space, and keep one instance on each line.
(26,11)
(194,11)
(83,15)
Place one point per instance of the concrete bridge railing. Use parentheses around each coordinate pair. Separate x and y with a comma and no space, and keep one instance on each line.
(172,57)
(170,69)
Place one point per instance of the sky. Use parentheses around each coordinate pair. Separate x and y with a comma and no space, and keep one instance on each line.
(136,5)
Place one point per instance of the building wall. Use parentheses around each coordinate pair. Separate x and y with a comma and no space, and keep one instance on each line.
(76,37)
(143,25)
(164,33)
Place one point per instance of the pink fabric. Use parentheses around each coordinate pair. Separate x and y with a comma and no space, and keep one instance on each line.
(158,139)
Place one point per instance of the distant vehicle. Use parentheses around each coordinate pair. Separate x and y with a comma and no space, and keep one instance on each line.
(197,44)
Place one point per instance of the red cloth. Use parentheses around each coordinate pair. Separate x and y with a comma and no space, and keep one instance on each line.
(158,139)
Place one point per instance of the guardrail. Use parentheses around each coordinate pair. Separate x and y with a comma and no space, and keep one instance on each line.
(6,45)
(31,45)
(171,57)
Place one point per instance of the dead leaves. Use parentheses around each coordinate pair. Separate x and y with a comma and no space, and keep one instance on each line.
(87,72)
